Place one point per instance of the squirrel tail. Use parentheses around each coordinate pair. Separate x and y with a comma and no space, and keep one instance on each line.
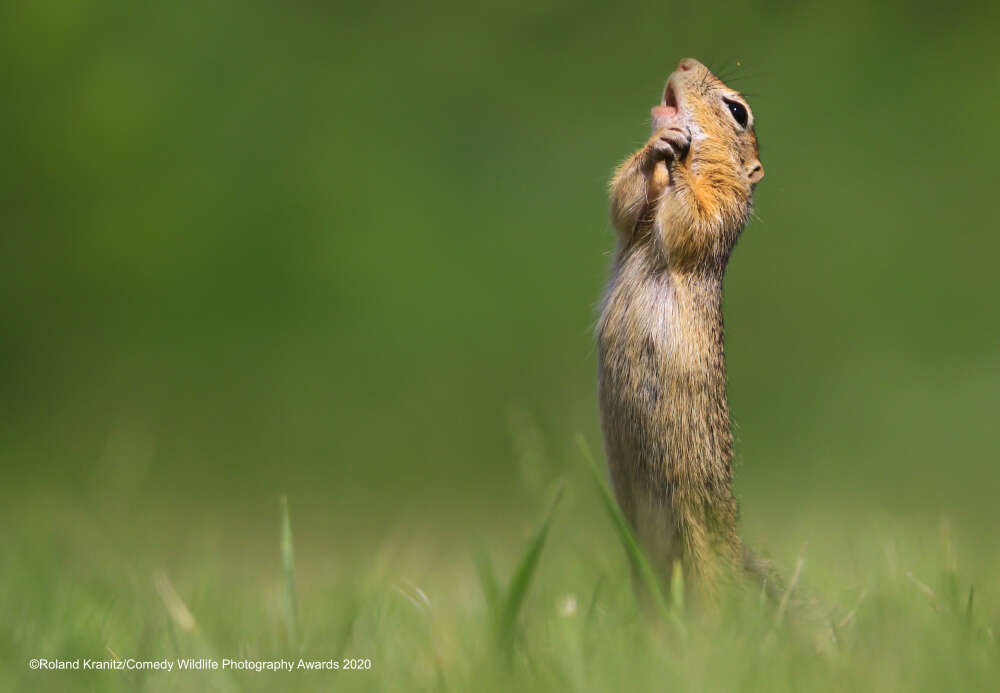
(762,572)
(808,614)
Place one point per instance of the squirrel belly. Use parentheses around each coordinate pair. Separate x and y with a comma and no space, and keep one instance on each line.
(678,205)
(665,418)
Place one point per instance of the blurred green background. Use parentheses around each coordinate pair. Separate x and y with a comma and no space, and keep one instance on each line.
(352,252)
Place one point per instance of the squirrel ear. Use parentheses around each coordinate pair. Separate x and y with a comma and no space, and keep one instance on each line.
(755,172)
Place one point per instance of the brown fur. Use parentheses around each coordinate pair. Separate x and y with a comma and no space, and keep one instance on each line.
(679,205)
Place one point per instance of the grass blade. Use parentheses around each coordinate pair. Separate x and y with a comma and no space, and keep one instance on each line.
(677,589)
(792,585)
(488,580)
(632,548)
(291,604)
(592,609)
(518,589)
(197,643)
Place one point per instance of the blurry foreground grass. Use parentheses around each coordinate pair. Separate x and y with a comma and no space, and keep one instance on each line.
(540,601)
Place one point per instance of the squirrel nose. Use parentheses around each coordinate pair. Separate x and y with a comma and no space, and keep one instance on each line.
(687,64)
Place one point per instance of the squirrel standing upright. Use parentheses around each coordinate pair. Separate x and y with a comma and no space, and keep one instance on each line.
(678,205)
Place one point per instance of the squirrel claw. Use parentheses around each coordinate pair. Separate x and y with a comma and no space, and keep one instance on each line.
(671,142)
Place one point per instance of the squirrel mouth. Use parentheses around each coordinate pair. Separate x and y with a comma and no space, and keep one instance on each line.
(668,107)
(669,95)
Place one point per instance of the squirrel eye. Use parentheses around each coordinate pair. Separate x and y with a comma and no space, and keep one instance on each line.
(738,111)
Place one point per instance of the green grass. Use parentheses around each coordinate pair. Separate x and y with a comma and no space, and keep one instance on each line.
(427,608)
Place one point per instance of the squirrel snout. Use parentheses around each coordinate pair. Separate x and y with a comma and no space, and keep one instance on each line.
(687,64)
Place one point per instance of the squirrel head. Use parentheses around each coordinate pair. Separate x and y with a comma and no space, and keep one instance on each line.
(722,156)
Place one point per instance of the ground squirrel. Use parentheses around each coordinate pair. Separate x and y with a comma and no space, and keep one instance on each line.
(678,205)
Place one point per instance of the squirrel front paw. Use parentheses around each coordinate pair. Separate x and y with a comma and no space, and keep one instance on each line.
(670,142)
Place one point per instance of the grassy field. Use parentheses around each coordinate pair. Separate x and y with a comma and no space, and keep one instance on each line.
(537,600)
(349,254)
